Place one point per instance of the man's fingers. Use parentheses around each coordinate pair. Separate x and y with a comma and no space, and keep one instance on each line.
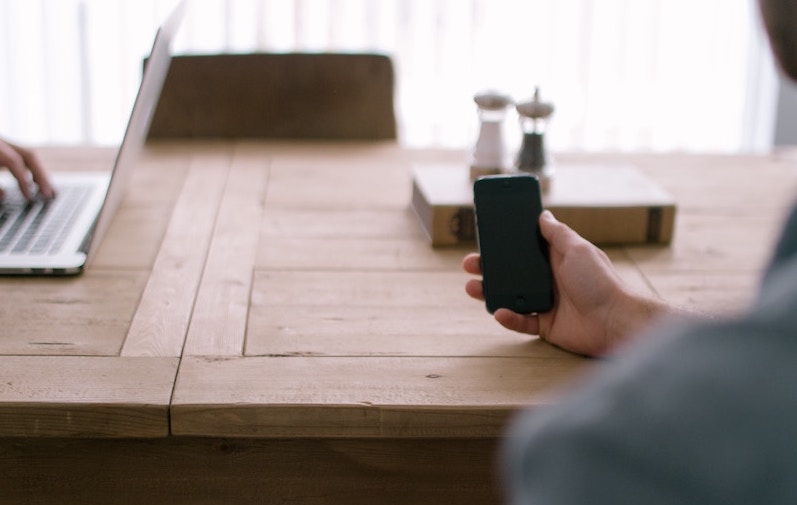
(472,264)
(30,162)
(560,237)
(39,174)
(521,323)
(13,161)
(475,289)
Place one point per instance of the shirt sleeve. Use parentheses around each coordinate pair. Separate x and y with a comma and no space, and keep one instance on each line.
(698,414)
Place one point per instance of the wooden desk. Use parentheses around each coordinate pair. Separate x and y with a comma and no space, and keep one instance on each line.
(266,322)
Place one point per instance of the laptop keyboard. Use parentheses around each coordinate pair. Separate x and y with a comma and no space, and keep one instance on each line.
(39,226)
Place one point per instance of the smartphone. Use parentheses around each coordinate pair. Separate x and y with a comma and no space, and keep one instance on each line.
(516,269)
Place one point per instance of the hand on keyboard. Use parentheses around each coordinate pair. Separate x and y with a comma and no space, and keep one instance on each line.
(24,165)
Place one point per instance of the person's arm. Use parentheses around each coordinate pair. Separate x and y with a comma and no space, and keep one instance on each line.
(594,310)
(25,164)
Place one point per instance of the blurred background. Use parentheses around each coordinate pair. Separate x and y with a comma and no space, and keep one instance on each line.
(624,75)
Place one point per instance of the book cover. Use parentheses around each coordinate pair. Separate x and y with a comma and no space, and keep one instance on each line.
(606,204)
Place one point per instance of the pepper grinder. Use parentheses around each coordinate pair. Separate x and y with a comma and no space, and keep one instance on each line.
(532,156)
(490,154)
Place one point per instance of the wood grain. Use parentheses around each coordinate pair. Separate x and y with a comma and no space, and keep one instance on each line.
(78,316)
(318,350)
(80,396)
(356,312)
(209,471)
(218,325)
(135,235)
(359,396)
(344,177)
(161,321)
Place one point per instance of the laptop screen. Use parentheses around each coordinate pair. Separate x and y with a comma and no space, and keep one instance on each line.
(138,124)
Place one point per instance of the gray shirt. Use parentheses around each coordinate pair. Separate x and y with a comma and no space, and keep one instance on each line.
(697,413)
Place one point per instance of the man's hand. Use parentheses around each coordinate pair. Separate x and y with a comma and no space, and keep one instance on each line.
(24,165)
(593,309)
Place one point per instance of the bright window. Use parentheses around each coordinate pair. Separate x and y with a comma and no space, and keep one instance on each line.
(654,75)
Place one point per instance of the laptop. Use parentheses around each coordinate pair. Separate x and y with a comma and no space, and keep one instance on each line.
(61,236)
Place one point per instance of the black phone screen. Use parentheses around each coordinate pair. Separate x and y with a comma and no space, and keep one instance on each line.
(515,266)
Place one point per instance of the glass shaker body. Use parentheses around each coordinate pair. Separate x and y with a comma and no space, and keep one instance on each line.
(532,156)
(490,154)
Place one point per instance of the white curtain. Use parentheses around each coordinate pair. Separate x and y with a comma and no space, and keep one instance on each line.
(653,75)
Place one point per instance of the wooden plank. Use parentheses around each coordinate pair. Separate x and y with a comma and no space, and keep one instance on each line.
(72,396)
(348,177)
(87,315)
(355,312)
(209,471)
(722,240)
(334,238)
(761,184)
(711,291)
(378,288)
(335,223)
(161,321)
(345,330)
(397,289)
(69,158)
(218,325)
(359,254)
(134,237)
(359,396)
(158,178)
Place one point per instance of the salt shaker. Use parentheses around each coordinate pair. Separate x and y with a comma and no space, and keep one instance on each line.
(489,154)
